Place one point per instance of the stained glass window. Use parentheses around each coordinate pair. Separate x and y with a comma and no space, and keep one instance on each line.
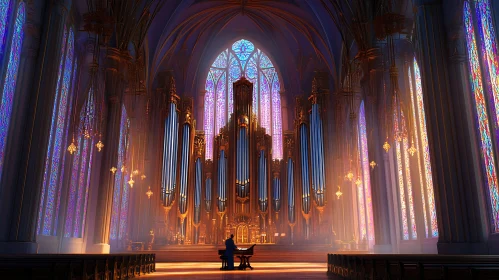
(424,147)
(121,195)
(479,93)
(364,190)
(56,151)
(80,180)
(9,83)
(4,17)
(243,59)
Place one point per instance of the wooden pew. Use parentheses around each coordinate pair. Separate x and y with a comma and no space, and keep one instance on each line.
(75,266)
(412,266)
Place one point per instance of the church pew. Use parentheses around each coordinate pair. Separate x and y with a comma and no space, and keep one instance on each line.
(74,266)
(412,266)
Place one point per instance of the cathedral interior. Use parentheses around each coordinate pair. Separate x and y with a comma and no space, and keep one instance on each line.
(361,126)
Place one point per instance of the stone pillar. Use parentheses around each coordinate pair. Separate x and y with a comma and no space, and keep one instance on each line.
(113,93)
(449,121)
(373,87)
(28,138)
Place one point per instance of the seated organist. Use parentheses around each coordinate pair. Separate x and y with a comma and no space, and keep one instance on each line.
(227,255)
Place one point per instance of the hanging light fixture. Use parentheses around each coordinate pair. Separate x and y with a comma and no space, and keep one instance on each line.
(113,170)
(149,193)
(72,147)
(143,176)
(131,181)
(386,146)
(339,193)
(372,164)
(123,168)
(99,145)
(349,176)
(412,150)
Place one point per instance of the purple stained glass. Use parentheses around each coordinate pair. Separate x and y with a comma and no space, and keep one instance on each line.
(120,179)
(489,48)
(4,16)
(73,187)
(220,109)
(81,184)
(221,61)
(264,103)
(482,116)
(87,187)
(46,173)
(57,156)
(209,115)
(276,119)
(242,60)
(11,75)
(265,61)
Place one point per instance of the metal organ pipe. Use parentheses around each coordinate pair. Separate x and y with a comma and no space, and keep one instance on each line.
(262,182)
(170,156)
(208,194)
(291,191)
(222,182)
(197,192)
(305,169)
(277,193)
(317,156)
(184,168)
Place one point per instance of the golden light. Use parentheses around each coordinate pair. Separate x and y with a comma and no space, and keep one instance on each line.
(123,169)
(412,150)
(142,176)
(386,146)
(136,172)
(372,164)
(349,176)
(99,146)
(72,147)
(149,193)
(339,193)
(131,182)
(113,169)
(358,181)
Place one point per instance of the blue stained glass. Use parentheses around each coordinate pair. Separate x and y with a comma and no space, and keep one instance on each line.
(120,196)
(221,61)
(51,137)
(10,80)
(265,61)
(243,59)
(4,15)
(243,49)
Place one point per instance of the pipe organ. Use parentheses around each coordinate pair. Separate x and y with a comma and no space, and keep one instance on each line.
(242,190)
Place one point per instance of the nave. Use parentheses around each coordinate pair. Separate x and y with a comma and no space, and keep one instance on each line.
(263,271)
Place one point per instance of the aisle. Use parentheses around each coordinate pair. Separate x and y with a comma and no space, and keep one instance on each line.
(265,270)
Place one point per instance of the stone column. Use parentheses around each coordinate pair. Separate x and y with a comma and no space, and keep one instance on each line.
(449,121)
(113,93)
(373,87)
(28,138)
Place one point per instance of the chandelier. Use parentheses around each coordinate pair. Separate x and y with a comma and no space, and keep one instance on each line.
(372,164)
(149,193)
(412,150)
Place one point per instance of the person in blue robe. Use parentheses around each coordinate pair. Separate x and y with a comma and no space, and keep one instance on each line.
(230,246)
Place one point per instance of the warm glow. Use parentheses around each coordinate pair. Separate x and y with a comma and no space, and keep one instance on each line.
(131,182)
(72,147)
(372,164)
(386,146)
(99,145)
(339,193)
(113,169)
(149,193)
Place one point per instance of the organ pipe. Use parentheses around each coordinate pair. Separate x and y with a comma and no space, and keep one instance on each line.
(317,156)
(170,147)
(291,191)
(184,168)
(304,156)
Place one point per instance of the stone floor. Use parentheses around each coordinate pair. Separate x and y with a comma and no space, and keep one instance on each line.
(263,270)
